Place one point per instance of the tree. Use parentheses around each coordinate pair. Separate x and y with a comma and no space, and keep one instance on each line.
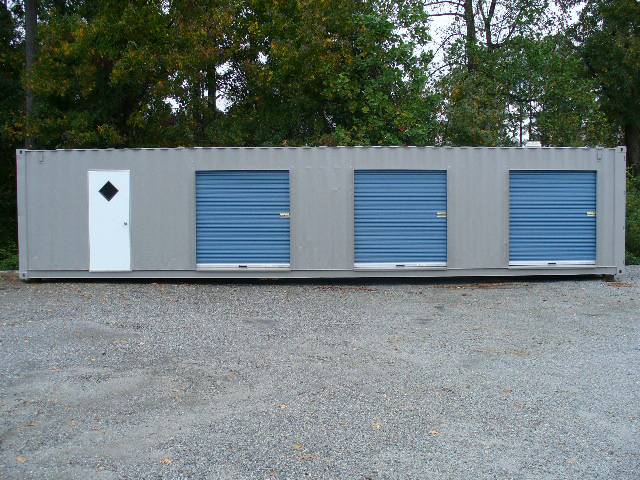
(31,27)
(608,35)
(526,81)
(206,36)
(487,25)
(333,71)
(475,107)
(101,77)
(291,72)
(484,85)
(563,103)
(12,110)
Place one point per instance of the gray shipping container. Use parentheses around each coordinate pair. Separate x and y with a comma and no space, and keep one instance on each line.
(339,212)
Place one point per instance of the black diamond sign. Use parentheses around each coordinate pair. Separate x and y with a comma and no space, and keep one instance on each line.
(108,191)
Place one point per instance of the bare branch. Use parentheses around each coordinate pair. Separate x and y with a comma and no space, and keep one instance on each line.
(492,10)
(442,2)
(513,27)
(445,42)
(444,66)
(447,14)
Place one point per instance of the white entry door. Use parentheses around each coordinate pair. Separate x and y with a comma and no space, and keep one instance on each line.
(109,241)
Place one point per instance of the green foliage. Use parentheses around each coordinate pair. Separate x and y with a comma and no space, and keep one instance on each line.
(535,86)
(609,38)
(11,125)
(100,78)
(340,69)
(8,255)
(475,108)
(610,35)
(293,72)
(318,72)
(561,98)
(633,220)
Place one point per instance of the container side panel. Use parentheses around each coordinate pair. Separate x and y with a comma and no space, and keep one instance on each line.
(478,200)
(322,214)
(620,200)
(400,216)
(242,217)
(552,216)
(58,217)
(163,205)
(162,212)
(21,176)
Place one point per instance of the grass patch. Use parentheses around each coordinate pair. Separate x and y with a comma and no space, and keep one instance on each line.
(9,256)
(633,221)
(631,259)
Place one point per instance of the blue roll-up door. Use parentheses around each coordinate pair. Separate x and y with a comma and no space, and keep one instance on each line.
(552,217)
(400,218)
(242,219)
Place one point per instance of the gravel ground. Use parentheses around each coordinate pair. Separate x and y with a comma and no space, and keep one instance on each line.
(382,380)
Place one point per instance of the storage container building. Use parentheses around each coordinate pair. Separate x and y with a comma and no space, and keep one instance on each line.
(320,212)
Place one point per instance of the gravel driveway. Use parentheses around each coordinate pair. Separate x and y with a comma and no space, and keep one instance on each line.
(526,379)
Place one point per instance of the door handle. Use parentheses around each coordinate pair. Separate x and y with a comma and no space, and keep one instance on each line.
(284,214)
(441,214)
(591,213)
(126,223)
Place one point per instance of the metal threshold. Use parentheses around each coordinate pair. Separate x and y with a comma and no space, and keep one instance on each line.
(400,266)
(553,264)
(242,266)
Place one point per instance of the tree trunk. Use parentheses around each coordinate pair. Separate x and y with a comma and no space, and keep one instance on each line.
(632,141)
(31,25)
(211,84)
(520,129)
(212,87)
(197,101)
(470,40)
(60,6)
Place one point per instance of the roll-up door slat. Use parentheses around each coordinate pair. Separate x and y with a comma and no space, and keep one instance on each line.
(238,217)
(551,217)
(400,217)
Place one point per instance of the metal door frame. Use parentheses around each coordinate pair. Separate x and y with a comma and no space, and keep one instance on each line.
(238,266)
(364,266)
(129,232)
(547,263)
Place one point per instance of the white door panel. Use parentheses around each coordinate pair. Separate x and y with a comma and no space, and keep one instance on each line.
(109,241)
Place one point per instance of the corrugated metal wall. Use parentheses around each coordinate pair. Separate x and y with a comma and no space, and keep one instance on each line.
(53,207)
(400,217)
(242,218)
(552,217)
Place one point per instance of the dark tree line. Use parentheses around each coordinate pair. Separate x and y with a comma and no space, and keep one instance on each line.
(110,73)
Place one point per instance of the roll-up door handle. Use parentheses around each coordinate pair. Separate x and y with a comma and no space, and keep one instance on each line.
(441,214)
(591,213)
(284,214)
